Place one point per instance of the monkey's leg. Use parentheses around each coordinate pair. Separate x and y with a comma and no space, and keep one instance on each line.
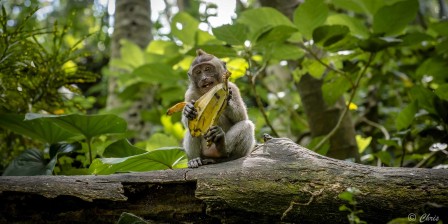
(240,139)
(193,147)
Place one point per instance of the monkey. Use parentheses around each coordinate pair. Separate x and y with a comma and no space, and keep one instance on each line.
(234,135)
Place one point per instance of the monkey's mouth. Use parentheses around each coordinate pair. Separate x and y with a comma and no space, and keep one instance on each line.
(207,85)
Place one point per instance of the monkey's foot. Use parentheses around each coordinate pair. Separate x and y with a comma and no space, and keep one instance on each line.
(197,162)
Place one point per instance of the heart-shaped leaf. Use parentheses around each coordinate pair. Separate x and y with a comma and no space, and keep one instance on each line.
(160,159)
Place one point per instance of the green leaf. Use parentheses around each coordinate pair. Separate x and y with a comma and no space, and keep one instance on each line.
(435,67)
(260,20)
(332,90)
(406,116)
(63,148)
(37,129)
(156,73)
(131,53)
(286,52)
(232,34)
(416,38)
(369,7)
(329,35)
(309,15)
(87,125)
(346,196)
(219,51)
(277,34)
(357,28)
(392,19)
(129,218)
(375,44)
(424,97)
(184,27)
(440,27)
(160,159)
(159,140)
(30,163)
(122,148)
(442,91)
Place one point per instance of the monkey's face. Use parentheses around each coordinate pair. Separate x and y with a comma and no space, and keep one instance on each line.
(205,76)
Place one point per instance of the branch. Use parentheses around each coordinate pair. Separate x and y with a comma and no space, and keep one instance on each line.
(346,108)
(253,77)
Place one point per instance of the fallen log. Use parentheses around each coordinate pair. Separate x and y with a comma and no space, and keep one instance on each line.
(279,182)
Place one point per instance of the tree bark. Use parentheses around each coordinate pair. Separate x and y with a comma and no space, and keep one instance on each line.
(279,182)
(322,118)
(132,22)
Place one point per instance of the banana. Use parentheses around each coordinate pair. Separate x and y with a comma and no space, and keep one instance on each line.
(209,107)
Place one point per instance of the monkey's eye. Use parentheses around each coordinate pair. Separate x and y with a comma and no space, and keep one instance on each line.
(207,68)
(197,72)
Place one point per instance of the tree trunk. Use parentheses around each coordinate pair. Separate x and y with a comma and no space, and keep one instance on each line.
(279,182)
(322,118)
(132,22)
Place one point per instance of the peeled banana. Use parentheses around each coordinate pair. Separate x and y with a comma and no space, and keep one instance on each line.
(209,107)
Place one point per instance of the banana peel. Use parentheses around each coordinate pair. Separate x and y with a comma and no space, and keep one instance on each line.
(209,107)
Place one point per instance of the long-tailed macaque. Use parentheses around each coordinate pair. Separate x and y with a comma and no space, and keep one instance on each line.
(233,137)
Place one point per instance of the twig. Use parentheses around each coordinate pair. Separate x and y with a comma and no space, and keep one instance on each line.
(253,78)
(385,133)
(330,68)
(346,108)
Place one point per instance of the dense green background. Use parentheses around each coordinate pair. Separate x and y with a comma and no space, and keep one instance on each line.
(388,58)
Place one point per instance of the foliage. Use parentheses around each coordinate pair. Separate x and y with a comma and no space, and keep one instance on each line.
(387,58)
(78,129)
(349,196)
(375,63)
(38,72)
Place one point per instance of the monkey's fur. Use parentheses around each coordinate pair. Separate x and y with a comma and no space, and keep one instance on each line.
(233,137)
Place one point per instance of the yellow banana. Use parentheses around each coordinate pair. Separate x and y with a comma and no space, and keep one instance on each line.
(209,107)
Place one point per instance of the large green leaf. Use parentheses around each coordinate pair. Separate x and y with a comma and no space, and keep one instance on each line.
(425,98)
(406,116)
(30,163)
(435,67)
(232,34)
(219,51)
(334,89)
(260,20)
(375,44)
(156,73)
(37,129)
(277,34)
(392,19)
(131,53)
(442,91)
(309,15)
(87,125)
(356,26)
(368,7)
(122,148)
(329,35)
(286,52)
(440,27)
(184,27)
(161,159)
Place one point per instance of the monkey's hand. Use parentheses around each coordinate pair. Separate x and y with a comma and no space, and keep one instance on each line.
(215,134)
(189,111)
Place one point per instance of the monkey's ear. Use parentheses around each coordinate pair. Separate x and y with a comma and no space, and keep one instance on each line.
(200,52)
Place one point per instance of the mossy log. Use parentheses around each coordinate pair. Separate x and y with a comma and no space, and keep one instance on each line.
(279,182)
